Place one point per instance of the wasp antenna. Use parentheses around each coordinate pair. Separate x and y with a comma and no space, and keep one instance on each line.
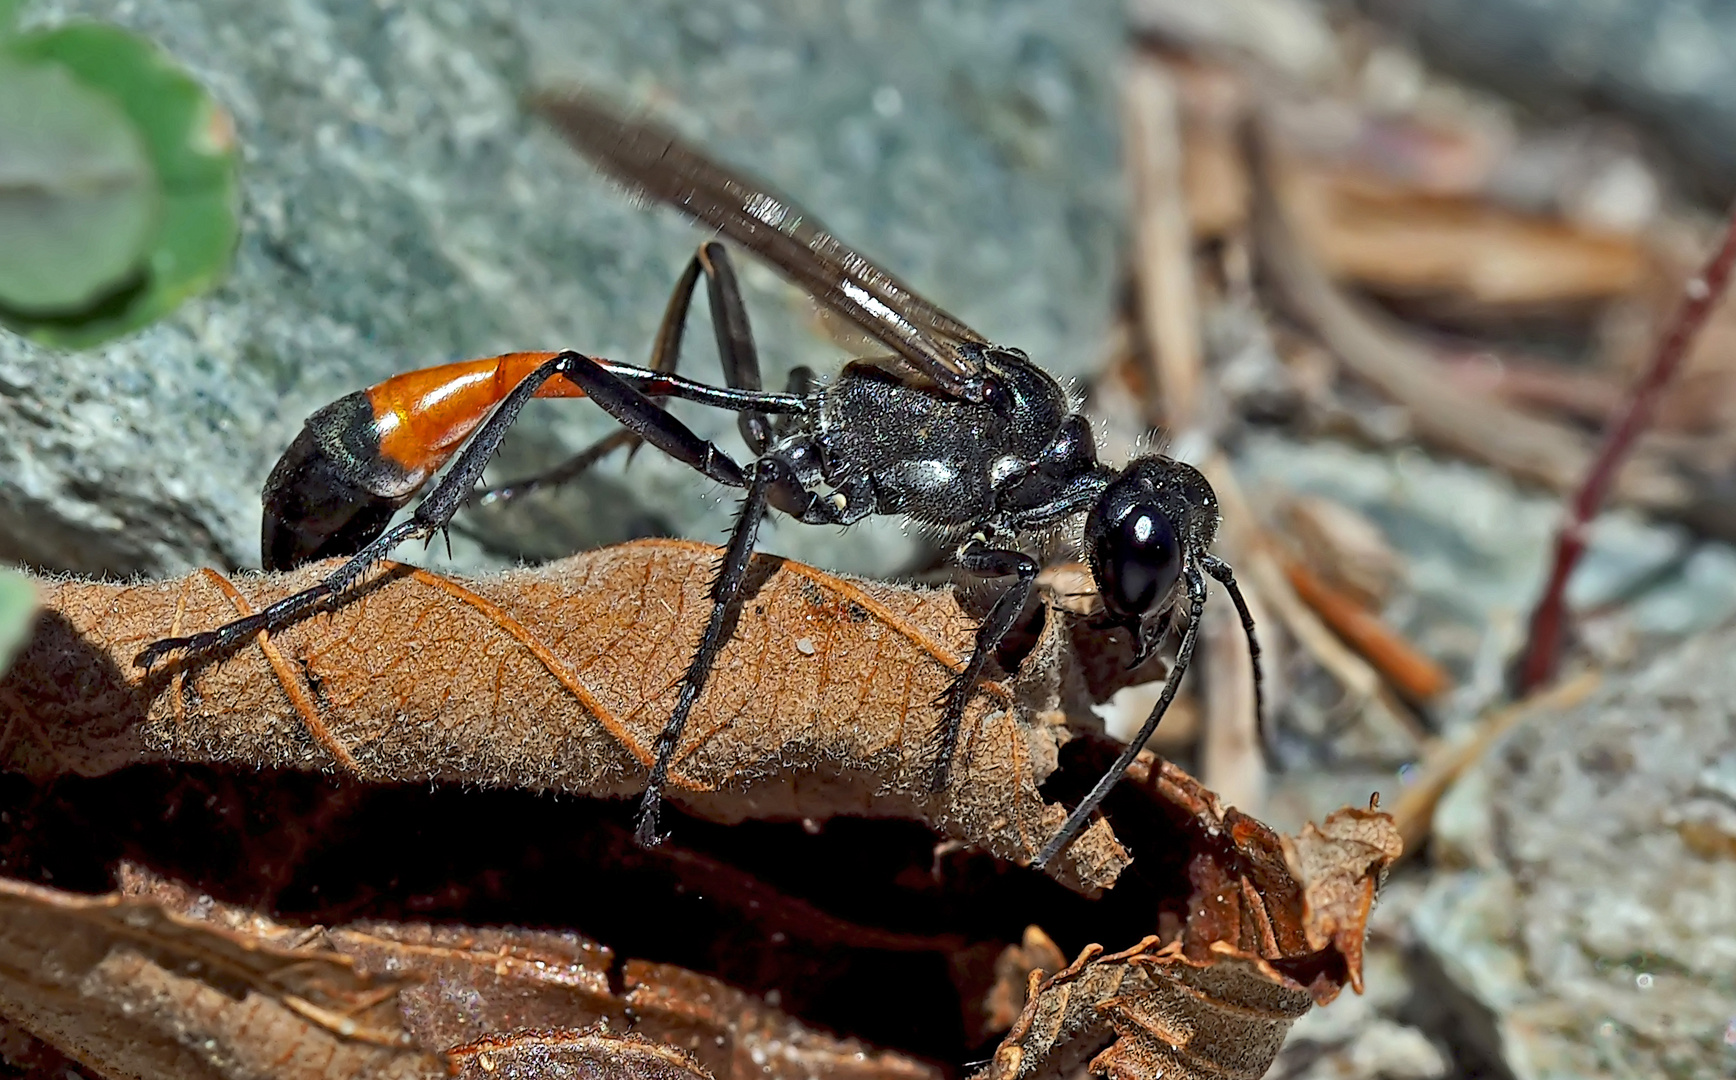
(1226,577)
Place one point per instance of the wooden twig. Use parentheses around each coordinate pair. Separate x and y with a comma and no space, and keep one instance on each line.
(1414,675)
(1443,412)
(1548,620)
(1163,243)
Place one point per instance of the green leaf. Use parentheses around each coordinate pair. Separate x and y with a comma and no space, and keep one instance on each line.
(189,141)
(17,614)
(78,198)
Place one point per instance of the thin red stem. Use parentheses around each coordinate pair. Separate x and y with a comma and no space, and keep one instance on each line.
(1549,619)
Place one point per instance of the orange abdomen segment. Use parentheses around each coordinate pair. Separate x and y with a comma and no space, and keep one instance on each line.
(422,416)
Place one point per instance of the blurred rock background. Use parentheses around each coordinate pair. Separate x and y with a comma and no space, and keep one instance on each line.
(1502,197)
(401,209)
(1662,66)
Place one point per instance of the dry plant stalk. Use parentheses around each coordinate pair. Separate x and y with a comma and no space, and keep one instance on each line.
(1443,412)
(1548,621)
(1414,675)
(1445,762)
(557,678)
(1163,243)
(1406,241)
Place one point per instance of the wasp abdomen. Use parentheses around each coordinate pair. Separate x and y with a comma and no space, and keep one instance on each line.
(333,491)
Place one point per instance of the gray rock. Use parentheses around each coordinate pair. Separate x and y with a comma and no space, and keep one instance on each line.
(1370,1036)
(1664,63)
(402,209)
(1593,932)
(1475,548)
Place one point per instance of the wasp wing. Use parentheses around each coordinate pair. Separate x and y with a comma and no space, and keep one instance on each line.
(654,163)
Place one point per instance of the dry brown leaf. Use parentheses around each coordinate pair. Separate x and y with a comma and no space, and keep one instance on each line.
(578,1055)
(129,986)
(1249,958)
(1036,951)
(1221,1020)
(550,679)
(160,981)
(1171,1017)
(1340,865)
(472,983)
(399,999)
(31,1058)
(1062,1022)
(822,703)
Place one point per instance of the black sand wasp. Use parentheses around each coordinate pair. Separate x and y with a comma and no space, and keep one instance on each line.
(963,436)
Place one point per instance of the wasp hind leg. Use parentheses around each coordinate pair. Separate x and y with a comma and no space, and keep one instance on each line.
(725,592)
(735,349)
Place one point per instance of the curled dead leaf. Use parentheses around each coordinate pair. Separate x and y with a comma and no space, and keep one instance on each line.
(1169,1016)
(137,987)
(1006,999)
(1272,925)
(748,937)
(822,703)
(539,1055)
(160,981)
(1339,866)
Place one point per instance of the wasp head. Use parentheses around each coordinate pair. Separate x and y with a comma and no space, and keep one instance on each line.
(1150,523)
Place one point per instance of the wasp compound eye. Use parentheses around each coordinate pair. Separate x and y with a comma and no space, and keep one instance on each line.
(1135,558)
